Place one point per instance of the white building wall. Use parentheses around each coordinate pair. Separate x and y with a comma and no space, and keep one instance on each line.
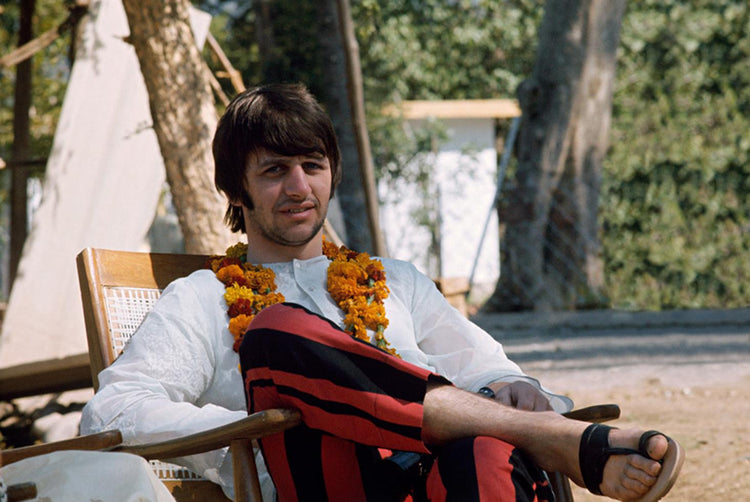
(464,174)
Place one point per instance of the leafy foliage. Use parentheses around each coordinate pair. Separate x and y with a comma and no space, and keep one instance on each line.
(676,197)
(50,69)
(295,57)
(445,50)
(675,206)
(432,49)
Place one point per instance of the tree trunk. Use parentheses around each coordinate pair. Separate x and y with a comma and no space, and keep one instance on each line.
(184,117)
(265,37)
(550,254)
(358,216)
(19,173)
(355,89)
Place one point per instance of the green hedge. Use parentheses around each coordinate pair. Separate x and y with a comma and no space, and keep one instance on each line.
(675,205)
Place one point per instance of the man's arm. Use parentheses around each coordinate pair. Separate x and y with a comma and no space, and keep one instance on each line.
(174,377)
(468,356)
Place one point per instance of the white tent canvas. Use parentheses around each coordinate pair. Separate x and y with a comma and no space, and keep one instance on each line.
(104,178)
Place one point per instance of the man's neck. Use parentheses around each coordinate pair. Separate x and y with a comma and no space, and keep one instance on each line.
(267,252)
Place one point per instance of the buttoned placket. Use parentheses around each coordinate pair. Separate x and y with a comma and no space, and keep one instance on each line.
(308,279)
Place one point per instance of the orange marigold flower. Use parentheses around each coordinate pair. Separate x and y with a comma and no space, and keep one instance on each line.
(238,325)
(341,288)
(356,327)
(346,269)
(330,249)
(261,280)
(231,274)
(362,259)
(274,298)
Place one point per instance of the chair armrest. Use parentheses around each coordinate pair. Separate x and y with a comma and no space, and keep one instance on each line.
(597,413)
(257,425)
(99,441)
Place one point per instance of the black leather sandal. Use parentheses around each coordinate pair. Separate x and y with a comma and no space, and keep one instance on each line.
(594,452)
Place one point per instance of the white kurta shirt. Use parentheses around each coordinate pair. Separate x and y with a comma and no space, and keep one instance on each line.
(179,374)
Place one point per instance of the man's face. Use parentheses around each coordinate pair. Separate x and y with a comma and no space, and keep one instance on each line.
(290,198)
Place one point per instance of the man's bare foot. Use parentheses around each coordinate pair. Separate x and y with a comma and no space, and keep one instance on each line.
(629,477)
(633,471)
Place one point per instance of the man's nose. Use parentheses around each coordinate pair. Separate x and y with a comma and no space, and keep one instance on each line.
(296,182)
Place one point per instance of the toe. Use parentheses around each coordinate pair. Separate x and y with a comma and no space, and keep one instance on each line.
(642,470)
(657,446)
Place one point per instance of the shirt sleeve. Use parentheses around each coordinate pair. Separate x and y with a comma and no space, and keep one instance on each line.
(460,350)
(156,390)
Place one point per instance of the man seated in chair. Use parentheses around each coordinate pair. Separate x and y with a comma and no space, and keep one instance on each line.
(367,349)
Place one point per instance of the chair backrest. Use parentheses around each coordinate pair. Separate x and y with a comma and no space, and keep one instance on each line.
(118,288)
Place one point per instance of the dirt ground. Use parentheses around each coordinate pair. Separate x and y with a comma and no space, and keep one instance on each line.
(711,422)
(707,414)
(691,382)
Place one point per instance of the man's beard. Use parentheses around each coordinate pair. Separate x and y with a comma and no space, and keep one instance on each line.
(278,238)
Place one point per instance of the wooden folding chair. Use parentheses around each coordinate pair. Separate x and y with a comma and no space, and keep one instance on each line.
(118,288)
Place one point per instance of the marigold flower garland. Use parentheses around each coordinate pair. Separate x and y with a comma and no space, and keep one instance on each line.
(355,281)
(249,288)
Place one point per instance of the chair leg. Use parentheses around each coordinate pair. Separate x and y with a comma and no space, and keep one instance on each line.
(561,486)
(246,481)
(21,491)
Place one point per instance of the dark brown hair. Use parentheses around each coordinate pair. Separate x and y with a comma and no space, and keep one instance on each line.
(282,118)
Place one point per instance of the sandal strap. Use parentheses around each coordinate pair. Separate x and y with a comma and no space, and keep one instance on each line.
(593,453)
(643,442)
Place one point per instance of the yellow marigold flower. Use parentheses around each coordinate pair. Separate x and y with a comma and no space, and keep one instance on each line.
(356,327)
(372,314)
(234,292)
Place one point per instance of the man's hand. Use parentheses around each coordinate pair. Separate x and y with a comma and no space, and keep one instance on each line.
(521,395)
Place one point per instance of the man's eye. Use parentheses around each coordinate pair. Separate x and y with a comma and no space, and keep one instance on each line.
(312,166)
